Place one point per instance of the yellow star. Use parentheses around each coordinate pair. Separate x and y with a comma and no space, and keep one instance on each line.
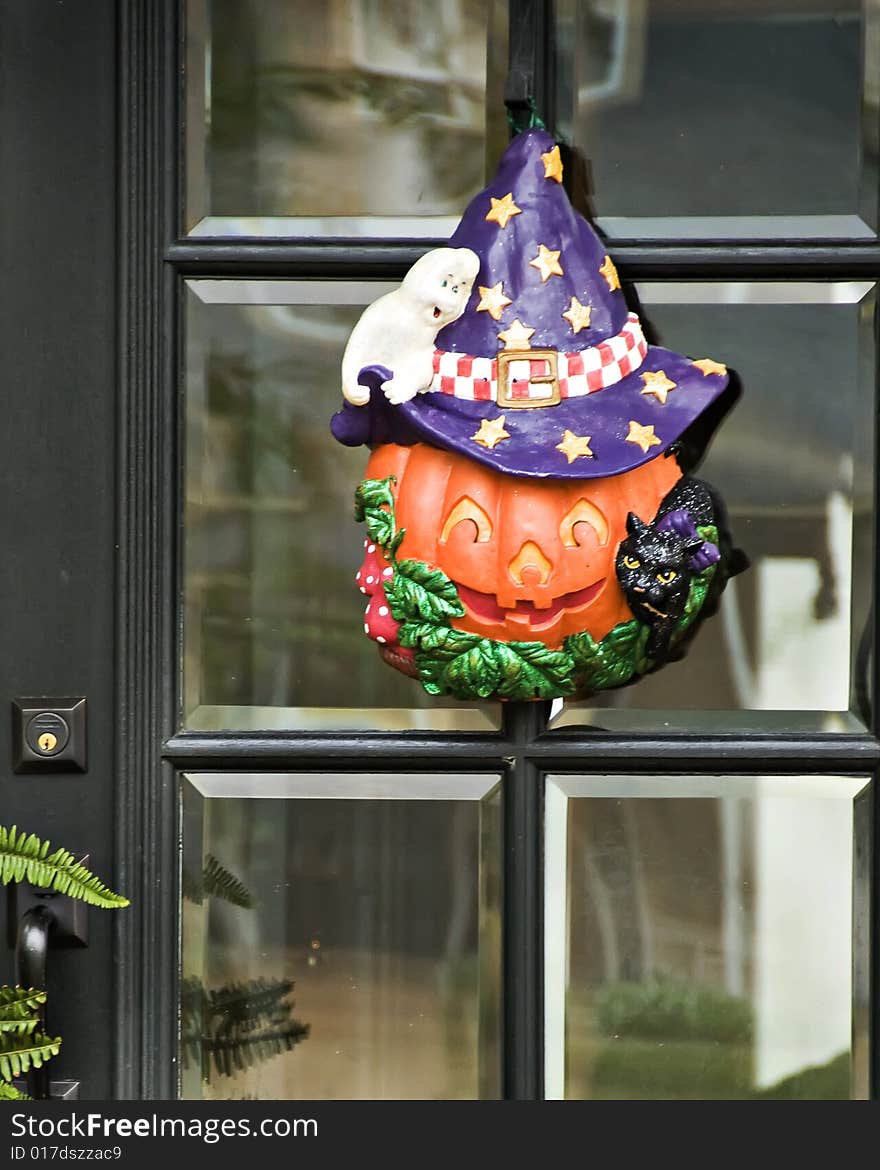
(547,263)
(493,300)
(552,164)
(658,385)
(610,273)
(578,315)
(643,436)
(491,432)
(503,210)
(574,446)
(707,366)
(516,336)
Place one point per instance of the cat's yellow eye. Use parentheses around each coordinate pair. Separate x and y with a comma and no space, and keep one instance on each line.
(666,576)
(631,562)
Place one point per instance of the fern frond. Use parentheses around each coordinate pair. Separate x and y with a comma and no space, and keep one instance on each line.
(235,1053)
(20,1003)
(17,1027)
(237,1025)
(25,857)
(247,1005)
(19,1054)
(218,882)
(10,1093)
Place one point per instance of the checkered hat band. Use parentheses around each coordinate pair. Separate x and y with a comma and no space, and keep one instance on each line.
(579,373)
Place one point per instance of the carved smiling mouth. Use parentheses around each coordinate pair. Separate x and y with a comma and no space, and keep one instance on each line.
(485,608)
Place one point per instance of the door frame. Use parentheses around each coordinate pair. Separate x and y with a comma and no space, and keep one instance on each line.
(151,752)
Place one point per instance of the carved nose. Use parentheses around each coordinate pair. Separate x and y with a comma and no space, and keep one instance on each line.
(530,566)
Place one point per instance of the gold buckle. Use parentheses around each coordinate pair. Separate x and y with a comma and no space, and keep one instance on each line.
(506,356)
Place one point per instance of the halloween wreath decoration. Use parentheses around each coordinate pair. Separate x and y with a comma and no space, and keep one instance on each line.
(532,529)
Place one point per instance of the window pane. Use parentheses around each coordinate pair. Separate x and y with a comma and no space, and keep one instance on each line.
(746,119)
(793,460)
(330,918)
(706,937)
(273,633)
(352,117)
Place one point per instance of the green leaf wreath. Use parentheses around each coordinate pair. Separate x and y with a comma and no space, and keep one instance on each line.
(453,662)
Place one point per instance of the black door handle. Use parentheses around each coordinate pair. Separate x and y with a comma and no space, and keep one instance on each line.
(31,949)
(40,920)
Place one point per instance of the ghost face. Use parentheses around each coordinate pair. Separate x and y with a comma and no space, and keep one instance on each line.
(440,283)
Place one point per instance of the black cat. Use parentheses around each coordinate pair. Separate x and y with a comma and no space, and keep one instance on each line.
(654,567)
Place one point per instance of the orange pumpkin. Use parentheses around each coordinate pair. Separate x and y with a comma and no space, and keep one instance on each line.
(533,560)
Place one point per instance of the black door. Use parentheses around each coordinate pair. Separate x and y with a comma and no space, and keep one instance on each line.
(666,892)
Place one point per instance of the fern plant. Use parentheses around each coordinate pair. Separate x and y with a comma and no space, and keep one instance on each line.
(24,857)
(216,881)
(231,1028)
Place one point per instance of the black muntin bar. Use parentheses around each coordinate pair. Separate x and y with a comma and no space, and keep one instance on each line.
(563,751)
(523,1047)
(389,259)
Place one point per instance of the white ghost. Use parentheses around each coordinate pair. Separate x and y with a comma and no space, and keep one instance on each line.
(398,330)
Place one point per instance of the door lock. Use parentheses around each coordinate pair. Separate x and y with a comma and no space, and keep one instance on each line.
(49,735)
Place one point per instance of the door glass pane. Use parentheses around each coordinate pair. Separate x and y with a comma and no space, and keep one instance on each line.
(273,626)
(341,937)
(346,118)
(750,120)
(707,937)
(789,648)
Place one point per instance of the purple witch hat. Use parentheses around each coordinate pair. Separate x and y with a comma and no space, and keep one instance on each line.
(546,374)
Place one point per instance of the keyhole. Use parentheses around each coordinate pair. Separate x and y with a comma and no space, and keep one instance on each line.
(47,741)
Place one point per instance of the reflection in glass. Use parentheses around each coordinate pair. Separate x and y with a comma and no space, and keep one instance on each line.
(342,118)
(321,957)
(705,937)
(794,463)
(749,120)
(273,629)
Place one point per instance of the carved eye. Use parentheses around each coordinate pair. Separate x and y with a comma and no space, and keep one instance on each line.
(666,576)
(582,513)
(468,510)
(631,562)
(444,284)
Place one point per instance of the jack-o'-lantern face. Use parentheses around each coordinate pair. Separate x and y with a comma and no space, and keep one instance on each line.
(532,560)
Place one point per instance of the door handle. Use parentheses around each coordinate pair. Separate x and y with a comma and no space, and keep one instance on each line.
(44,920)
(31,950)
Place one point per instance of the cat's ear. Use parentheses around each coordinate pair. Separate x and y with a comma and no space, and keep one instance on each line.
(635,526)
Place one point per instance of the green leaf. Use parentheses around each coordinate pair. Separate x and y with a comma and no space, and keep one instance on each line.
(417,592)
(372,494)
(20,1003)
(468,667)
(614,660)
(374,504)
(532,671)
(414,634)
(696,599)
(445,643)
(19,1054)
(584,651)
(22,1027)
(26,857)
